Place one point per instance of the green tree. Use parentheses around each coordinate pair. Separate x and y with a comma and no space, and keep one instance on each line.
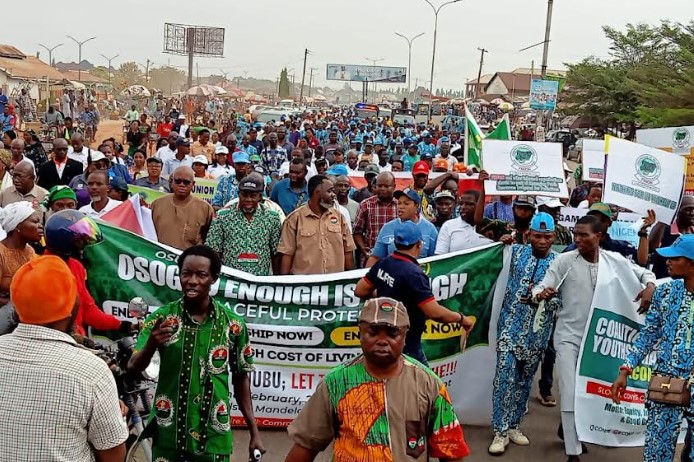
(284,84)
(128,73)
(167,79)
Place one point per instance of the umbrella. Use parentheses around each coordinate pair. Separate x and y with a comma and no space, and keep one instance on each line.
(498,101)
(200,90)
(506,106)
(255,98)
(219,90)
(319,98)
(136,90)
(482,102)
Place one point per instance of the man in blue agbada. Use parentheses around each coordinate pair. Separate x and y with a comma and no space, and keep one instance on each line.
(523,331)
(668,332)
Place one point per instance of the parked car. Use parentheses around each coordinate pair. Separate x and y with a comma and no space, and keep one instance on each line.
(575,151)
(565,137)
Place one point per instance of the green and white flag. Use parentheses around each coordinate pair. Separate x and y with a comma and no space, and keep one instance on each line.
(473,141)
(502,131)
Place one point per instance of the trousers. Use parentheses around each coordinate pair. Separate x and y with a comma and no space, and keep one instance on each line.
(547,370)
(164,455)
(662,430)
(567,360)
(511,390)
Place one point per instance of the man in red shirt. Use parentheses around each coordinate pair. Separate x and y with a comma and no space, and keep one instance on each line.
(67,233)
(164,128)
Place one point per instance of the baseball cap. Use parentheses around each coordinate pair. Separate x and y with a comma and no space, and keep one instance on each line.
(200,159)
(221,150)
(385,311)
(682,247)
(601,207)
(338,170)
(321,161)
(420,168)
(253,182)
(180,141)
(412,194)
(525,201)
(368,142)
(182,117)
(97,156)
(426,155)
(542,222)
(441,163)
(37,302)
(444,194)
(256,158)
(407,233)
(445,139)
(240,158)
(118,183)
(152,160)
(551,202)
(372,170)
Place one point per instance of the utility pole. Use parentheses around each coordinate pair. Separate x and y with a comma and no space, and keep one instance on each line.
(310,81)
(197,71)
(50,52)
(303,76)
(409,60)
(190,41)
(540,128)
(479,72)
(147,71)
(109,66)
(79,45)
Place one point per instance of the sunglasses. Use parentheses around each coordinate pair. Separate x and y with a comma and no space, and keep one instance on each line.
(182,181)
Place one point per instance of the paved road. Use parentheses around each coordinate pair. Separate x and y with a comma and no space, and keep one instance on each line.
(540,426)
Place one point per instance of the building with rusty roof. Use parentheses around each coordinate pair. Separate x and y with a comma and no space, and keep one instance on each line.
(18,70)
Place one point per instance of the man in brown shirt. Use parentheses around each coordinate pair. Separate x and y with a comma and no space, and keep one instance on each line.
(181,219)
(24,187)
(203,146)
(315,237)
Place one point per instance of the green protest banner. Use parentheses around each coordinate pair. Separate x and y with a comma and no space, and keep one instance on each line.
(204,189)
(302,326)
(147,194)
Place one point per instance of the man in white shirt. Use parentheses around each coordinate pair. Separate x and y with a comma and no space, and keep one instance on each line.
(180,159)
(169,151)
(98,186)
(78,151)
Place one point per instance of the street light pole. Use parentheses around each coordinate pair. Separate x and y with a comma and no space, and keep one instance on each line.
(50,52)
(409,60)
(433,52)
(109,66)
(79,45)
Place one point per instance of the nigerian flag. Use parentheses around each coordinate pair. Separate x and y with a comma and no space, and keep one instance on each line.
(473,141)
(502,131)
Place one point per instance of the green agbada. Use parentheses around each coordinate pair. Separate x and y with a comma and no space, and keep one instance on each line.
(191,404)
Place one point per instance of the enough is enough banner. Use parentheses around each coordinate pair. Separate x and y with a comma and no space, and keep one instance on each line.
(302,326)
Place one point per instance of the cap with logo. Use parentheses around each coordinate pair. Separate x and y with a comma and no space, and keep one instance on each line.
(420,168)
(386,312)
(200,159)
(221,150)
(441,163)
(682,247)
(601,207)
(524,201)
(411,194)
(253,182)
(444,194)
(542,223)
(240,157)
(407,233)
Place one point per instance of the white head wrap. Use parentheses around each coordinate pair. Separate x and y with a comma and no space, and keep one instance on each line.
(13,214)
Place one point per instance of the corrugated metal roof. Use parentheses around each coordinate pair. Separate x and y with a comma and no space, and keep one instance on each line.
(86,77)
(29,67)
(8,51)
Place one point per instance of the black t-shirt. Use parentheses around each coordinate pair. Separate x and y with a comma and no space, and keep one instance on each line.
(659,263)
(399,276)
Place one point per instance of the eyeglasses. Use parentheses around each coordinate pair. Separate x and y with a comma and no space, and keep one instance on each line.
(182,181)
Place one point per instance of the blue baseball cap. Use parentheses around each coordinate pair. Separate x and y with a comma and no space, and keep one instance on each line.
(240,157)
(412,194)
(337,170)
(542,223)
(682,247)
(407,233)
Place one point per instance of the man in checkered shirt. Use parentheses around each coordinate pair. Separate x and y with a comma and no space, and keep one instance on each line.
(373,213)
(58,401)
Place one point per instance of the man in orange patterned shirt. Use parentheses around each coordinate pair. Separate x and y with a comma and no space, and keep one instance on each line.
(381,406)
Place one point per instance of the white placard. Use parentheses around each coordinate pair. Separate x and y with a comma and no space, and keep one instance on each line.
(640,178)
(678,139)
(517,167)
(593,159)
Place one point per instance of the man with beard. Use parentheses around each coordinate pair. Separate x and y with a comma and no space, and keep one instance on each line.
(316,237)
(373,213)
(74,389)
(98,188)
(259,226)
(460,233)
(391,383)
(181,220)
(291,193)
(573,275)
(201,343)
(663,235)
(523,210)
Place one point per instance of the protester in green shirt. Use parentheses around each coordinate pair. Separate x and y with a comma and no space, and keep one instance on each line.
(200,341)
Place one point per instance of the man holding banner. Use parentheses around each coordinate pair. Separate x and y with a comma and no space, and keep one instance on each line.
(574,275)
(669,326)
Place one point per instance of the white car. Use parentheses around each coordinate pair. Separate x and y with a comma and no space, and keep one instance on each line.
(271,114)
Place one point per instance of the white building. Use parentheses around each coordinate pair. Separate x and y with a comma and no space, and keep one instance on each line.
(18,70)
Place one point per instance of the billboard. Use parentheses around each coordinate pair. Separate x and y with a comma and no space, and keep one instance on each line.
(543,94)
(357,73)
(205,41)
